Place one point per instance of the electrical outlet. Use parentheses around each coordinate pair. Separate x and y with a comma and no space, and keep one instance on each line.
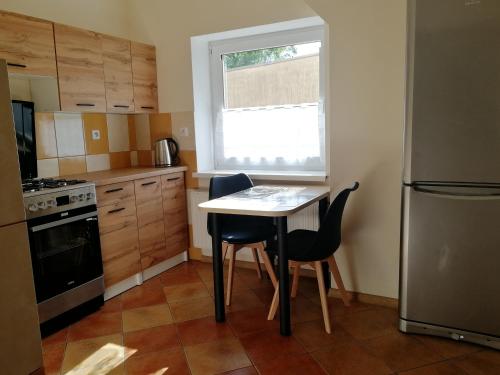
(185,132)
(96,135)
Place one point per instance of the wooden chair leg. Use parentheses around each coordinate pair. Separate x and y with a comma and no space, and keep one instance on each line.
(257,262)
(225,246)
(230,276)
(295,281)
(338,280)
(274,304)
(322,294)
(269,266)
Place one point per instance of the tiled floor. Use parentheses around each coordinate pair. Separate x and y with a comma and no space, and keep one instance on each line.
(166,326)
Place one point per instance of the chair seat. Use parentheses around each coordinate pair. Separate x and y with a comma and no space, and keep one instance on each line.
(249,233)
(300,242)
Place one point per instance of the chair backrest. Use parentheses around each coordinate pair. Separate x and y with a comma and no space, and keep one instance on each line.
(328,239)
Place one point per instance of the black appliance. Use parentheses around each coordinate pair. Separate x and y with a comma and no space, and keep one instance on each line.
(24,121)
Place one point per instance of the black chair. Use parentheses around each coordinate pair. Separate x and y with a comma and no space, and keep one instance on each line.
(314,248)
(239,231)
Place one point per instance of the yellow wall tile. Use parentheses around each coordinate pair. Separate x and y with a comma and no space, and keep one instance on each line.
(145,158)
(118,133)
(72,165)
(119,159)
(142,131)
(160,126)
(45,132)
(131,133)
(188,159)
(95,121)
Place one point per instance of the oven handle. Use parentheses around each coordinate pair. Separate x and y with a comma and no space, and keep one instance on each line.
(53,224)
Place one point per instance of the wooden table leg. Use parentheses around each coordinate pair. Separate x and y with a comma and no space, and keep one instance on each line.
(220,315)
(284,291)
(322,209)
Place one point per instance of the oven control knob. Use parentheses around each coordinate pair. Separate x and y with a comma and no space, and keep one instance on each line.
(51,203)
(81,197)
(42,205)
(33,207)
(90,196)
(73,199)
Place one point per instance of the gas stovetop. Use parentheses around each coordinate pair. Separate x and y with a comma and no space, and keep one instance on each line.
(31,186)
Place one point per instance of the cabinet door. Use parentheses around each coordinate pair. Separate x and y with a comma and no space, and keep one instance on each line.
(27,44)
(80,68)
(150,221)
(144,75)
(175,213)
(118,74)
(119,241)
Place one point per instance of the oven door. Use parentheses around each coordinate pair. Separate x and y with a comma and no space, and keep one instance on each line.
(65,251)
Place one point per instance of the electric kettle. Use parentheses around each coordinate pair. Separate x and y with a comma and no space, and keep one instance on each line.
(166,153)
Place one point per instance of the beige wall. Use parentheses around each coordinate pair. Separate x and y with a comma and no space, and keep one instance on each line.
(105,16)
(367,59)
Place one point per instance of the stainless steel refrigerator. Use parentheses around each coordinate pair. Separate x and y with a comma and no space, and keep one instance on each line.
(450,236)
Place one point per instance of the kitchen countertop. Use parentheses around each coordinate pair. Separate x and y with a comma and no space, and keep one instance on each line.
(113,176)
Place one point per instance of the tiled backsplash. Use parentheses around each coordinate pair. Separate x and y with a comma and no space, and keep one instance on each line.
(69,143)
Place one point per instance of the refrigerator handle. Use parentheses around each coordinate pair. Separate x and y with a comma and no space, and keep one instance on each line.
(468,193)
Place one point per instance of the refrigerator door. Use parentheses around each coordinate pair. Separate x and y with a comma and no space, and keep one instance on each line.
(450,258)
(453,85)
(20,338)
(11,196)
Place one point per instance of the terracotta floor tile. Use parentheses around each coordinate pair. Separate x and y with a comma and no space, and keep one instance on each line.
(216,356)
(291,365)
(170,362)
(202,330)
(350,359)
(312,335)
(238,285)
(94,325)
(481,363)
(146,317)
(367,324)
(250,321)
(447,348)
(148,294)
(185,291)
(242,371)
(303,310)
(192,309)
(249,277)
(262,347)
(152,339)
(265,294)
(59,337)
(101,355)
(112,305)
(441,368)
(180,277)
(53,356)
(337,307)
(243,301)
(401,352)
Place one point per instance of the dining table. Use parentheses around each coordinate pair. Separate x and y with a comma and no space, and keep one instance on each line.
(278,202)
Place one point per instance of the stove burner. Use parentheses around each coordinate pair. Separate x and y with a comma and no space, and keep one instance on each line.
(30,186)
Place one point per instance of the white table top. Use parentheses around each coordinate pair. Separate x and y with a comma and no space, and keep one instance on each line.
(267,200)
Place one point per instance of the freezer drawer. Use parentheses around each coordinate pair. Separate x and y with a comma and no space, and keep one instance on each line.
(450,258)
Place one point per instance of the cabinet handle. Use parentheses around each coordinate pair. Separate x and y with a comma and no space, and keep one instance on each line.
(113,190)
(148,183)
(116,210)
(85,105)
(173,179)
(121,106)
(147,107)
(17,65)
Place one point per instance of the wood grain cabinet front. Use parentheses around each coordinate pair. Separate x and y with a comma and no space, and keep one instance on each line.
(119,241)
(118,74)
(115,193)
(144,77)
(80,69)
(175,213)
(27,44)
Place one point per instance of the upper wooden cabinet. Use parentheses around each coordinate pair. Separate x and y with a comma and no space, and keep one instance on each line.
(27,45)
(80,68)
(144,77)
(118,74)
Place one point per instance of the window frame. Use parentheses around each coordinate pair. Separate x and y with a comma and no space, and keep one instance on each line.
(260,41)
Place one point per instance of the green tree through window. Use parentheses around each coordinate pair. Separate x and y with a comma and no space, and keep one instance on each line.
(260,56)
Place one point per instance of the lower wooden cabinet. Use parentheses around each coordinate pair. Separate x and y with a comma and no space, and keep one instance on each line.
(142,223)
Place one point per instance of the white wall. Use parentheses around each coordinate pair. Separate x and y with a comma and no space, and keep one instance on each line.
(367,60)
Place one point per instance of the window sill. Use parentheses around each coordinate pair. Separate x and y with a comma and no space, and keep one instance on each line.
(268,175)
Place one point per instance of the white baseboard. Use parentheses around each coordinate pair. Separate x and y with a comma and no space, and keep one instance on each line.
(123,286)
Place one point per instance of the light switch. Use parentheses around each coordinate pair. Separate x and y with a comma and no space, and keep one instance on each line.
(96,135)
(185,132)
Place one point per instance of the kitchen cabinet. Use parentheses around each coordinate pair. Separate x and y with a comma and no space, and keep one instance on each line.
(118,232)
(118,74)
(80,68)
(27,44)
(144,77)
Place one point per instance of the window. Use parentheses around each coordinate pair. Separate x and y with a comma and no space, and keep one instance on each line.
(267,101)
